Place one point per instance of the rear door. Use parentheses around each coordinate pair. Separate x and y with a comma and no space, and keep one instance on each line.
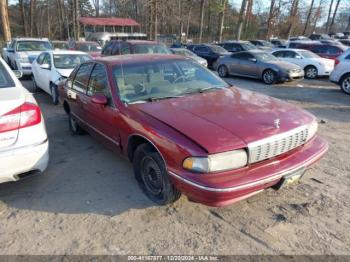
(101,120)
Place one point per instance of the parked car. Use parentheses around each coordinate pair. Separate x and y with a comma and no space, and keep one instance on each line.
(313,64)
(189,54)
(118,47)
(209,52)
(345,41)
(324,50)
(319,36)
(237,46)
(216,152)
(341,76)
(54,66)
(262,44)
(23,138)
(280,43)
(92,48)
(344,56)
(60,45)
(258,64)
(23,51)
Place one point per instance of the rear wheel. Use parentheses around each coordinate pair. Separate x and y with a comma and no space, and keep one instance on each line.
(35,86)
(223,71)
(151,174)
(345,84)
(74,127)
(311,72)
(269,77)
(54,93)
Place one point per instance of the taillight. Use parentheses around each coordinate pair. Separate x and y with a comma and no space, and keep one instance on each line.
(336,61)
(23,116)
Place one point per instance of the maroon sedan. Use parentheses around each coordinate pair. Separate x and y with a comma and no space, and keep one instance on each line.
(185,130)
(92,48)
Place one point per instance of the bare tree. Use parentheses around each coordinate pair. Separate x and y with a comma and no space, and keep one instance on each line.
(292,17)
(348,27)
(329,15)
(248,15)
(240,19)
(201,20)
(5,20)
(270,19)
(97,7)
(23,17)
(308,16)
(222,18)
(32,15)
(333,18)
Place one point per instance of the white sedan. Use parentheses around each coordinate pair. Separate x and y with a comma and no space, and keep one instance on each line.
(312,64)
(23,139)
(51,67)
(341,76)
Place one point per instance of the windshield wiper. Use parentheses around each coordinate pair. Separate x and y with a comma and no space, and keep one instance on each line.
(202,90)
(153,99)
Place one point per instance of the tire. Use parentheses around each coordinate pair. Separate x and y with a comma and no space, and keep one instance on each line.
(151,174)
(54,93)
(311,72)
(74,127)
(269,77)
(345,84)
(222,71)
(35,86)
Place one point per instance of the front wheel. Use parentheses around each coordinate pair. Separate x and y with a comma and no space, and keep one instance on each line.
(35,86)
(269,77)
(151,174)
(74,127)
(345,84)
(311,72)
(222,71)
(54,93)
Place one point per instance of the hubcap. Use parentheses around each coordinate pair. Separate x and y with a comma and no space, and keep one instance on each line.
(222,71)
(152,176)
(346,85)
(268,77)
(311,73)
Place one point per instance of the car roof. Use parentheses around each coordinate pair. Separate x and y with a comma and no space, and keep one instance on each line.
(290,49)
(31,39)
(66,52)
(137,58)
(137,41)
(235,42)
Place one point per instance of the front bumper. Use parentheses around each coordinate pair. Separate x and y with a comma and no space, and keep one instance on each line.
(290,76)
(14,162)
(226,188)
(25,68)
(325,71)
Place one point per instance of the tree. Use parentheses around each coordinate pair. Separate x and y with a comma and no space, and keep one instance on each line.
(32,15)
(23,17)
(222,18)
(97,7)
(334,15)
(240,19)
(5,20)
(292,17)
(270,19)
(329,15)
(308,17)
(201,21)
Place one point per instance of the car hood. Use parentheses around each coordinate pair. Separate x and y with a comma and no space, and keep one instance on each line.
(65,72)
(226,119)
(30,53)
(285,65)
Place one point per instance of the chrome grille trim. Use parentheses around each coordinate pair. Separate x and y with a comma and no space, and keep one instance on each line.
(277,144)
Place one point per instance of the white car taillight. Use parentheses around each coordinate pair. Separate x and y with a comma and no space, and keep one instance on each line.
(26,115)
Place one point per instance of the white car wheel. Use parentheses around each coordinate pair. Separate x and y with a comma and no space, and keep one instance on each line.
(345,84)
(311,72)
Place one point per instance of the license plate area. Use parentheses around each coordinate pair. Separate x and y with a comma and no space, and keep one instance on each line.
(290,179)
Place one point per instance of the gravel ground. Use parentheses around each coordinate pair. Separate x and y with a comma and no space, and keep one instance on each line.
(87,202)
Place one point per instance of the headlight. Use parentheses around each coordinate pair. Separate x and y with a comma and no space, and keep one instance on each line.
(217,162)
(312,129)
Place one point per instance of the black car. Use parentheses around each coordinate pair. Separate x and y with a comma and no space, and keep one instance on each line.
(345,42)
(237,46)
(119,47)
(209,52)
(319,37)
(280,43)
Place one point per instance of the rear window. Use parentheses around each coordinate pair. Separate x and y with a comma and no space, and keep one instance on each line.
(151,49)
(5,78)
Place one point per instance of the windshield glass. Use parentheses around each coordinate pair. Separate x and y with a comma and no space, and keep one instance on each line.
(23,46)
(5,79)
(265,57)
(265,43)
(60,45)
(151,49)
(89,47)
(308,54)
(163,79)
(248,46)
(218,49)
(184,52)
(69,61)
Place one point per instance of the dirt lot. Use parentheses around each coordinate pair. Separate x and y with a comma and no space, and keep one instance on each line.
(88,202)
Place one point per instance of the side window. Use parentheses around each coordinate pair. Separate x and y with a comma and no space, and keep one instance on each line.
(347,57)
(332,50)
(202,49)
(107,50)
(47,59)
(40,58)
(82,77)
(278,54)
(116,48)
(69,81)
(99,81)
(290,54)
(244,56)
(125,49)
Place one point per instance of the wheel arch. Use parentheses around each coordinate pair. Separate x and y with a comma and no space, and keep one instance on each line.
(66,107)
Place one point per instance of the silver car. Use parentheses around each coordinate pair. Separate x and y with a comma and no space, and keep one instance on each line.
(187,53)
(260,65)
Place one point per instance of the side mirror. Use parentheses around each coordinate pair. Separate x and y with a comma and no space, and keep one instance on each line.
(99,99)
(18,73)
(252,60)
(10,50)
(45,66)
(298,57)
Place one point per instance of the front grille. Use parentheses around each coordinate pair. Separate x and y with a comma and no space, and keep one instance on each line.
(277,145)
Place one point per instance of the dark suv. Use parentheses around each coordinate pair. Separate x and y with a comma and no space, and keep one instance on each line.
(237,46)
(209,52)
(119,47)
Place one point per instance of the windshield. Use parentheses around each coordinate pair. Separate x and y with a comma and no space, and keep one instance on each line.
(265,57)
(308,54)
(163,79)
(89,47)
(184,52)
(248,46)
(265,43)
(69,61)
(218,49)
(5,79)
(60,45)
(151,49)
(23,46)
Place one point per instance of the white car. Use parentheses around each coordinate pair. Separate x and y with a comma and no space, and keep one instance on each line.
(313,64)
(52,67)
(23,139)
(23,51)
(341,76)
